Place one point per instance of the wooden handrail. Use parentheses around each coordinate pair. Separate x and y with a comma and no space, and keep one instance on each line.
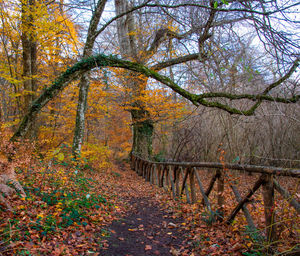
(235,167)
(162,171)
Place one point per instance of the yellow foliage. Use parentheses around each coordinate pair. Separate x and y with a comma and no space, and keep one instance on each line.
(98,155)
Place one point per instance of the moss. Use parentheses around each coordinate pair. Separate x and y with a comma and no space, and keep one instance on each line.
(102,60)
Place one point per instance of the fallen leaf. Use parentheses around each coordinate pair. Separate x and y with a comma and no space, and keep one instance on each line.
(174,252)
(148,247)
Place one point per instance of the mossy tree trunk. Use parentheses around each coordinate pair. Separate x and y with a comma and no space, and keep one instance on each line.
(142,125)
(142,128)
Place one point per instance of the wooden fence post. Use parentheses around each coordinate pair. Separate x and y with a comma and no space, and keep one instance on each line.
(151,174)
(177,177)
(220,192)
(156,180)
(188,199)
(172,182)
(140,169)
(159,176)
(143,168)
(147,172)
(192,185)
(268,197)
(149,166)
(162,176)
(167,177)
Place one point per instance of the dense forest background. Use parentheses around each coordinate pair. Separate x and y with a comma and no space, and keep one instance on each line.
(233,47)
(88,85)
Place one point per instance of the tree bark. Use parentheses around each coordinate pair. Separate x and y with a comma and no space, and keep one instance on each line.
(84,81)
(29,46)
(142,125)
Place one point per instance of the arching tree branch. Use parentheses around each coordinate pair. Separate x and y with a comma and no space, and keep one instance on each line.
(101,60)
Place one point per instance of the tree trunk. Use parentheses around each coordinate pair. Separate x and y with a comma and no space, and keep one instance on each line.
(80,114)
(84,83)
(142,134)
(29,46)
(142,125)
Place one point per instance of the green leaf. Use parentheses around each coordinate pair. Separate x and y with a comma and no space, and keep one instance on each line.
(215,4)
(225,2)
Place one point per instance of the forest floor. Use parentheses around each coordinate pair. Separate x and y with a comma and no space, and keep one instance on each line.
(145,230)
(111,212)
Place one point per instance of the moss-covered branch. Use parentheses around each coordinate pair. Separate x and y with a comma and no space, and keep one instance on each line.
(101,60)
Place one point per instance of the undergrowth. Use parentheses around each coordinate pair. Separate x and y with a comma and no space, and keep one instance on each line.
(62,203)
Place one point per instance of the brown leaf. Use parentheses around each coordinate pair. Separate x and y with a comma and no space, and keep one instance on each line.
(174,252)
(237,247)
(148,247)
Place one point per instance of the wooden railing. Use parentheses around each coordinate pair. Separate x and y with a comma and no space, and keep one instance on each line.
(175,176)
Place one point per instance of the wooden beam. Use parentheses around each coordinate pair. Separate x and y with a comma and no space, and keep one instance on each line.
(269,206)
(211,184)
(177,177)
(159,176)
(246,199)
(156,180)
(205,198)
(238,167)
(140,165)
(192,185)
(287,196)
(151,174)
(172,182)
(163,176)
(167,176)
(188,199)
(221,199)
(184,180)
(244,208)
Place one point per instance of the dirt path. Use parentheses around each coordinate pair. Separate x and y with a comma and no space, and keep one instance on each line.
(146,230)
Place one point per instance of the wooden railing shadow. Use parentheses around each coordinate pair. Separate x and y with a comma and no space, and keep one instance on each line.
(175,175)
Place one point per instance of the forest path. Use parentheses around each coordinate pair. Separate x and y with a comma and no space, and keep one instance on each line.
(145,228)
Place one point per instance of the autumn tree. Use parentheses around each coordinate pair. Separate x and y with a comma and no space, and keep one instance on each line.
(32,51)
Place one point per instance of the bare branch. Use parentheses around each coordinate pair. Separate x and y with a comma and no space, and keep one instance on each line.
(171,62)
(135,8)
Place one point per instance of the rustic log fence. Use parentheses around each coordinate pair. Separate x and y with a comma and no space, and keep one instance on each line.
(175,175)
